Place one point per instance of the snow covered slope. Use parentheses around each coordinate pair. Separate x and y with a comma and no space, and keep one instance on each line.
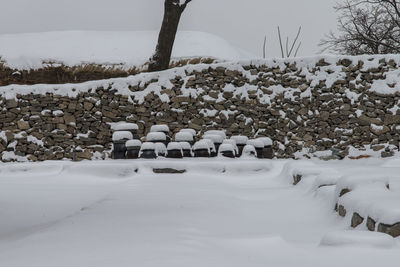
(26,51)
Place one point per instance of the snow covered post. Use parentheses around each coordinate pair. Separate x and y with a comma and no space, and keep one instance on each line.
(173,10)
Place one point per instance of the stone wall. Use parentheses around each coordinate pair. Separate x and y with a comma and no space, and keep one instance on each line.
(305,105)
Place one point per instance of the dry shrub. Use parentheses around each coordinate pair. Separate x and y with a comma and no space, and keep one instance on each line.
(58,73)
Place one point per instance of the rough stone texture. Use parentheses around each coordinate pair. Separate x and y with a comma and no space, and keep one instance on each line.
(371,224)
(167,170)
(393,230)
(306,114)
(356,220)
(342,211)
(297,179)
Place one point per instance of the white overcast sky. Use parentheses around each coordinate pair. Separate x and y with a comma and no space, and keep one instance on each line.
(242,22)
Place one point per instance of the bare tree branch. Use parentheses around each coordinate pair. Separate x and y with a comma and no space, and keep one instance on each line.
(366,27)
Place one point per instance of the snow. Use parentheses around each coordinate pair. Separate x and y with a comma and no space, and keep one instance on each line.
(216,132)
(249,151)
(185,145)
(184,137)
(192,131)
(156,136)
(122,126)
(217,139)
(221,212)
(240,140)
(358,238)
(202,144)
(257,143)
(174,146)
(159,128)
(148,146)
(160,148)
(114,49)
(266,140)
(231,142)
(211,144)
(133,143)
(226,148)
(122,135)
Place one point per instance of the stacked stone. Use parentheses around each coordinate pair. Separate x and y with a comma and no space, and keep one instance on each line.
(310,112)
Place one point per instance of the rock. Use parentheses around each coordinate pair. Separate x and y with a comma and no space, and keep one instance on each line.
(11,104)
(393,230)
(387,154)
(23,125)
(345,62)
(392,119)
(168,170)
(324,115)
(342,211)
(378,147)
(195,126)
(297,179)
(356,220)
(84,155)
(366,121)
(371,224)
(379,130)
(69,119)
(87,106)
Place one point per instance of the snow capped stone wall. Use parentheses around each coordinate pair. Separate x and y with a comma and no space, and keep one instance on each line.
(326,106)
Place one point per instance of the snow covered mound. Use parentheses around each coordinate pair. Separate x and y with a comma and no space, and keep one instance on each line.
(128,48)
(357,238)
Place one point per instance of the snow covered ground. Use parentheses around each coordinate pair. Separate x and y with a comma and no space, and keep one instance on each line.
(233,213)
(101,47)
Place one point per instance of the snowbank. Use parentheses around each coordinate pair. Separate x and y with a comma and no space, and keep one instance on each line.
(358,238)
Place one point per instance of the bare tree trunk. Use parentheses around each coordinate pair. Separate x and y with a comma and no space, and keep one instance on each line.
(172,14)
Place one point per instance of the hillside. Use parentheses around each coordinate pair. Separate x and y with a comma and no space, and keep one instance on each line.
(128,49)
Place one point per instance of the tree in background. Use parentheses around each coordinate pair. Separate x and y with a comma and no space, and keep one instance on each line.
(173,10)
(366,27)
